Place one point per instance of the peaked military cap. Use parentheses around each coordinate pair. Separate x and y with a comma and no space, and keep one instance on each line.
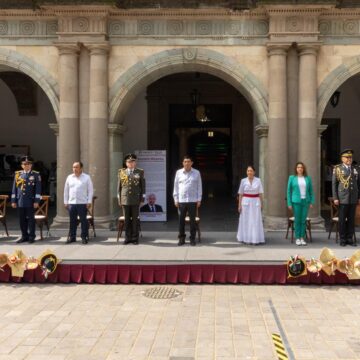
(347,153)
(130,157)
(27,159)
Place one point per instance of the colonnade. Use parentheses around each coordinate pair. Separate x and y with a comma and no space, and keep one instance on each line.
(83,121)
(294,134)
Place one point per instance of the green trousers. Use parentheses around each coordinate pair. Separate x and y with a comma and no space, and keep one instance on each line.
(300,213)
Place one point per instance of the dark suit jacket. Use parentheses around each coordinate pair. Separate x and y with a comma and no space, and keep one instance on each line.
(146,208)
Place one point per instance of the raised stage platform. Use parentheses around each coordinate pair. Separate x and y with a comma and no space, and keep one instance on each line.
(219,258)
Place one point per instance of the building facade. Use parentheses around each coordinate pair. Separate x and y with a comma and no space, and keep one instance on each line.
(98,64)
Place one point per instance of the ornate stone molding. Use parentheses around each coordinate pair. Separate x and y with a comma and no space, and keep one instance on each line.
(28,28)
(188,28)
(308,49)
(68,48)
(321,129)
(98,49)
(116,129)
(277,49)
(54,127)
(262,130)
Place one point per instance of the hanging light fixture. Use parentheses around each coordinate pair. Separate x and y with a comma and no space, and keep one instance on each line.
(200,110)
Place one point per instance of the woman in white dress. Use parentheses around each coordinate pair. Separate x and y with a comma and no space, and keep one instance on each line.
(251,230)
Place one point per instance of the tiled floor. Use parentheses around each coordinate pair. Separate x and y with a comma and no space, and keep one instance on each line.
(96,322)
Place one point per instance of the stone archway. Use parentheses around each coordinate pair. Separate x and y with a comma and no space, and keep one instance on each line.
(29,67)
(173,61)
(139,76)
(333,81)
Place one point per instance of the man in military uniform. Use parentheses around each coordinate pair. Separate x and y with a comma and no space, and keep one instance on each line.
(131,193)
(346,194)
(26,195)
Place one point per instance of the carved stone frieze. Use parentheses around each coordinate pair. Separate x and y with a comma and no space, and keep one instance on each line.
(28,28)
(339,27)
(188,28)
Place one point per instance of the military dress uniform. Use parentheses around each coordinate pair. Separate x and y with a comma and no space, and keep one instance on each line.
(25,192)
(345,188)
(131,192)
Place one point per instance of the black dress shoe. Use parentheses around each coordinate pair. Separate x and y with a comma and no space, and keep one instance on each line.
(71,240)
(135,242)
(352,243)
(181,242)
(342,243)
(192,242)
(22,240)
(84,240)
(31,241)
(126,241)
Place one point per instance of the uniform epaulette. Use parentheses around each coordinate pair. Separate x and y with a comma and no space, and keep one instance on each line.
(36,172)
(140,169)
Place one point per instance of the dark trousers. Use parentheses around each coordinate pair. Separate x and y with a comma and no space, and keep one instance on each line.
(187,209)
(27,222)
(80,210)
(347,221)
(131,213)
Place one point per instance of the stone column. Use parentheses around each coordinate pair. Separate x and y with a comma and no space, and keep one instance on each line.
(55,128)
(116,156)
(68,140)
(262,132)
(84,86)
(308,139)
(293,113)
(277,164)
(98,130)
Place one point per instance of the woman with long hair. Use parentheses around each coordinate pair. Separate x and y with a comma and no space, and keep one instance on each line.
(300,196)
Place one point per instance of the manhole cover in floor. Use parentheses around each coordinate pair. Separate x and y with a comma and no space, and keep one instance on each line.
(163,292)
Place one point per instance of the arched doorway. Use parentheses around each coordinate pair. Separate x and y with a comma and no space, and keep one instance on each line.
(27,113)
(196,114)
(130,95)
(342,129)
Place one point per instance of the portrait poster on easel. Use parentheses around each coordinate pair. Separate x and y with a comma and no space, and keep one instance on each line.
(153,162)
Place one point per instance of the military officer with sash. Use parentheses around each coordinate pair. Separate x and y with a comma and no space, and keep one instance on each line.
(346,194)
(131,194)
(26,195)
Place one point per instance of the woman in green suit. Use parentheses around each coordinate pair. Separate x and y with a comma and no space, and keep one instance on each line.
(300,196)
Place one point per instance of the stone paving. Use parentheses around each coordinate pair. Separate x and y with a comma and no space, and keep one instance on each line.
(108,322)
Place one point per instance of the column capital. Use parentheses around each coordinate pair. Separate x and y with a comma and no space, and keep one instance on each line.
(262,130)
(98,48)
(54,127)
(277,49)
(116,129)
(68,48)
(321,129)
(308,49)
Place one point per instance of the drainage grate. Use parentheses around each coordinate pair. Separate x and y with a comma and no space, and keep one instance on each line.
(163,292)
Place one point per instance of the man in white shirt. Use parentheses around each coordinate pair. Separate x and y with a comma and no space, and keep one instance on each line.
(187,197)
(78,194)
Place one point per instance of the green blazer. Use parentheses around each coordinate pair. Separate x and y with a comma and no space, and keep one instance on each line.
(293,191)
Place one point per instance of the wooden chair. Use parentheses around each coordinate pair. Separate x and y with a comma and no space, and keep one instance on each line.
(334,221)
(3,201)
(41,215)
(90,216)
(197,223)
(290,225)
(121,224)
